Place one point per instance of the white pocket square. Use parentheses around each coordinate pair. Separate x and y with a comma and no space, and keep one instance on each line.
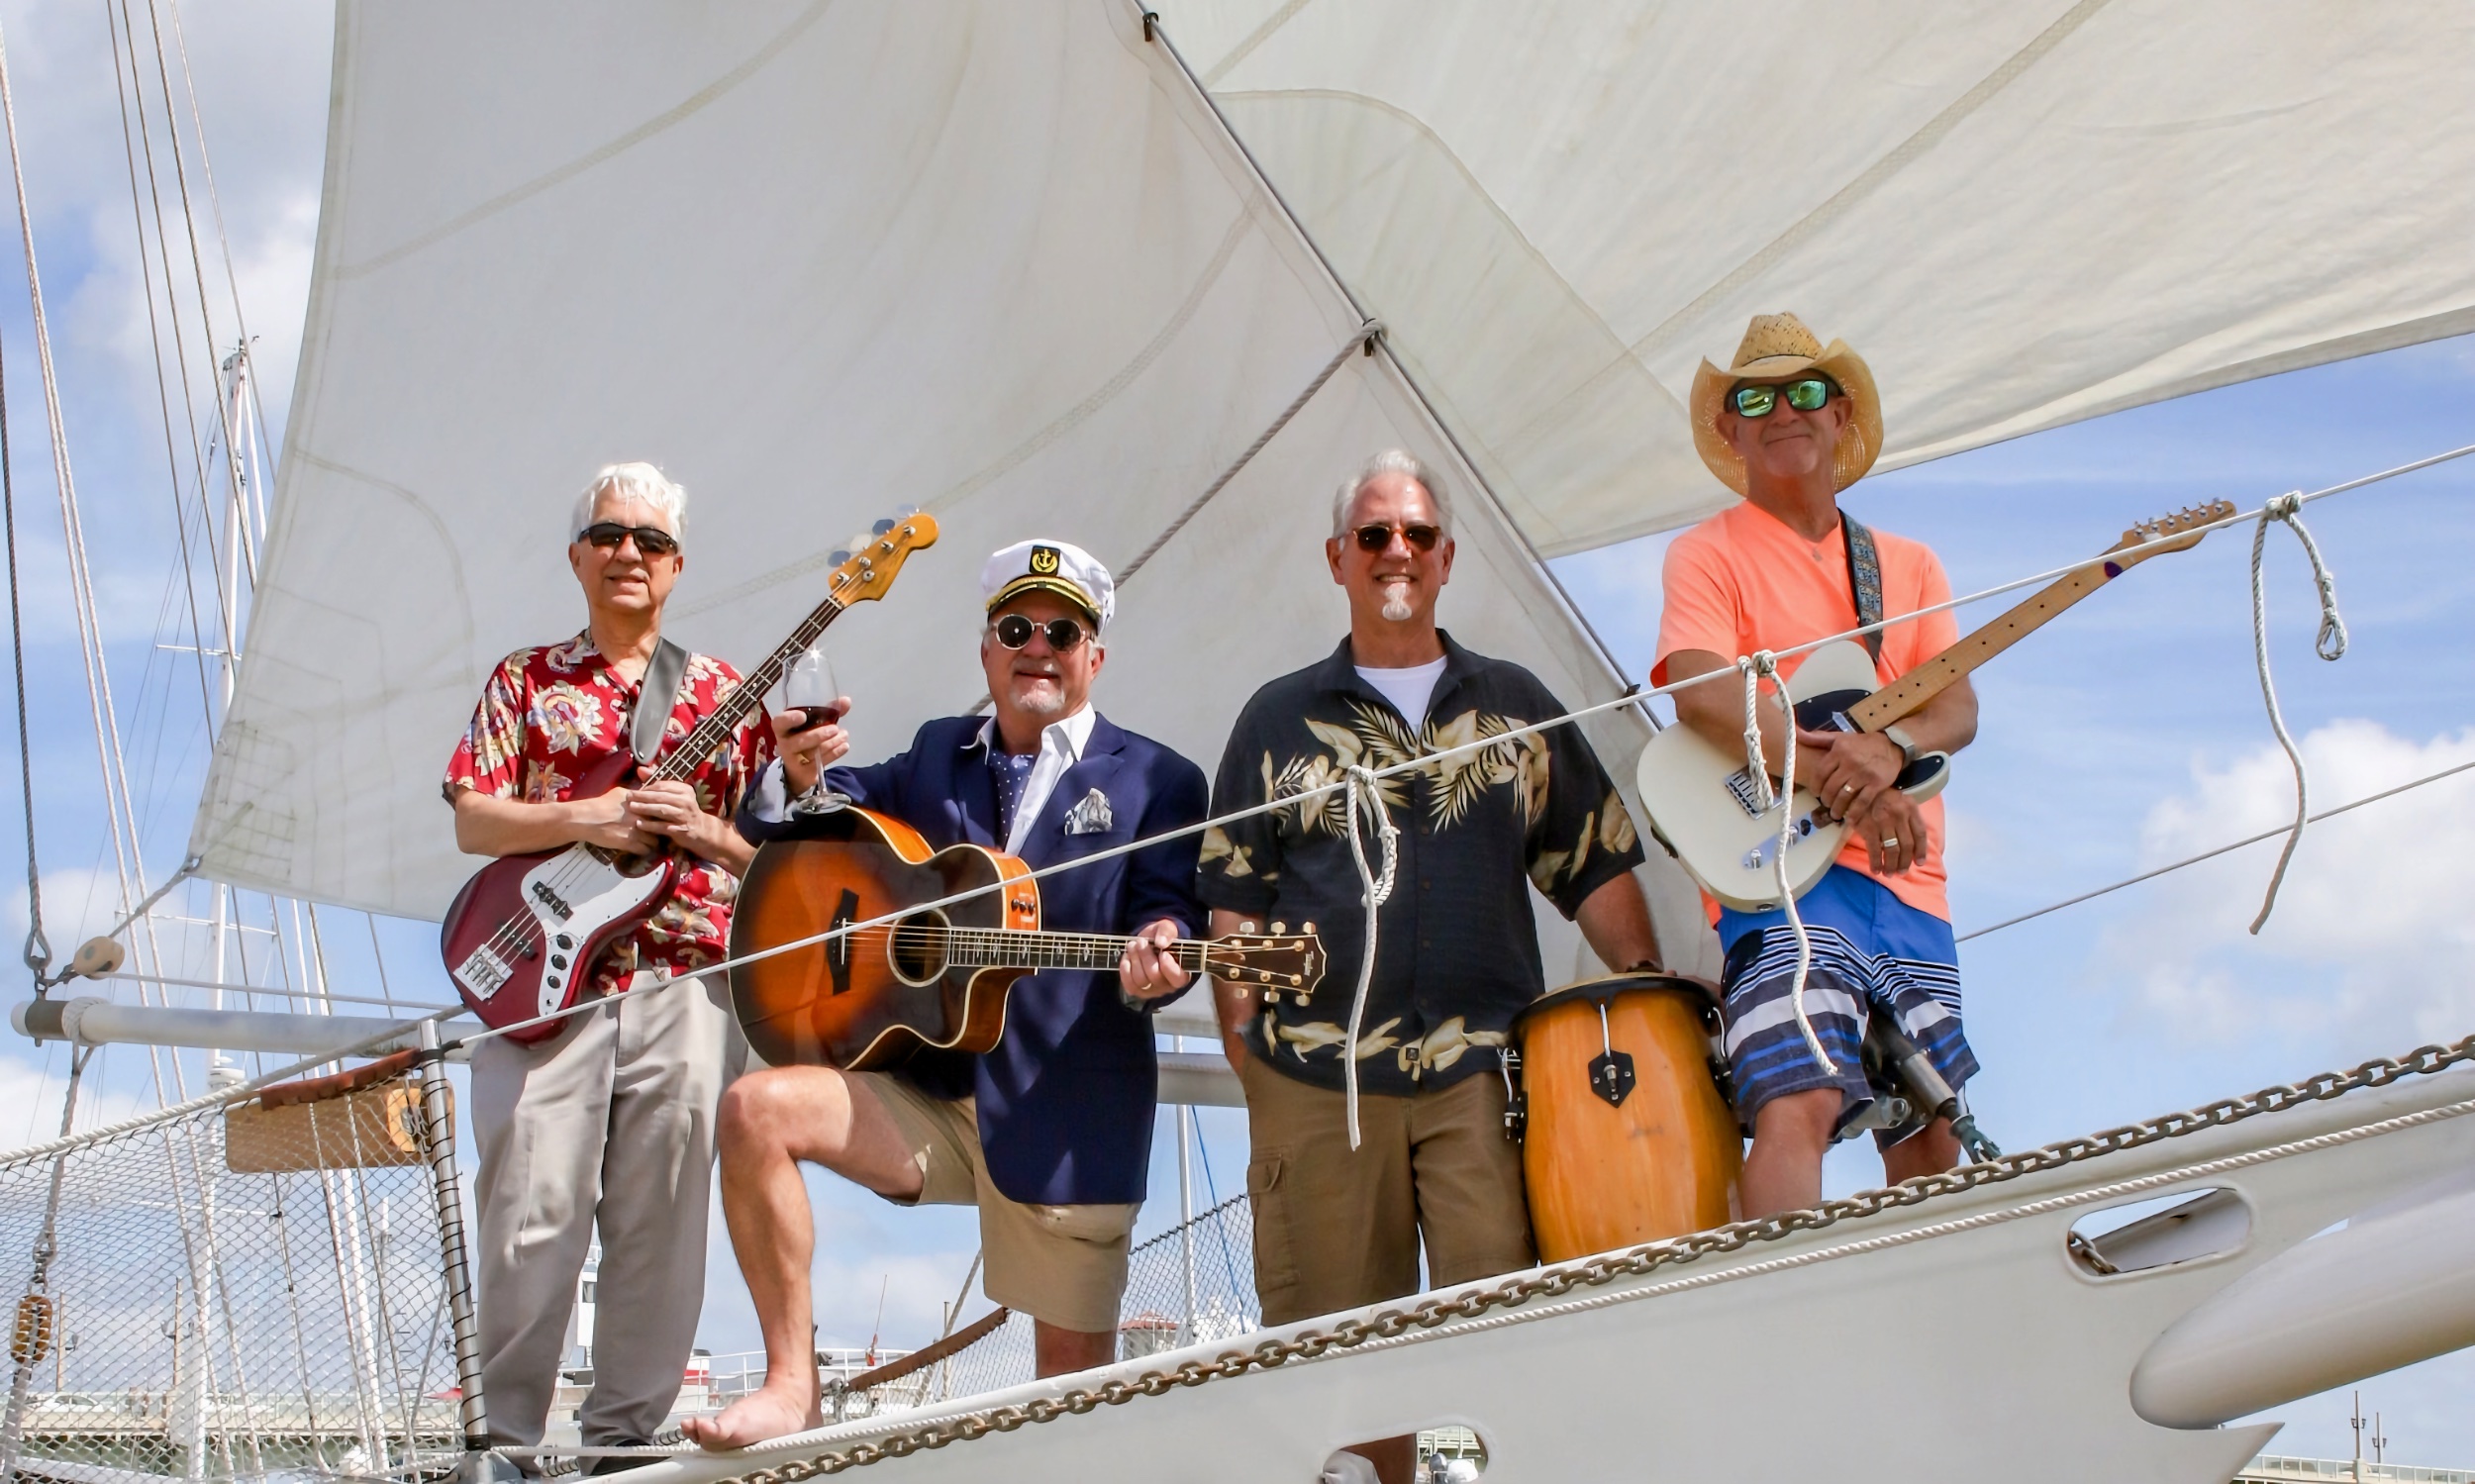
(1091,816)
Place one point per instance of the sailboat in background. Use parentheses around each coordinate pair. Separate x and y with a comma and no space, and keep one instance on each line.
(1036,260)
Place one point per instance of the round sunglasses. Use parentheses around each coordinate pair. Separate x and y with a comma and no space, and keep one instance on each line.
(1806,394)
(1013,631)
(606,535)
(1379,537)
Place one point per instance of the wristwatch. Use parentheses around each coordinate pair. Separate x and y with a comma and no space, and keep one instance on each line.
(1900,739)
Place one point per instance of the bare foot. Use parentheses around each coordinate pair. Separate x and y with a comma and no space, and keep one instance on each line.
(771,1412)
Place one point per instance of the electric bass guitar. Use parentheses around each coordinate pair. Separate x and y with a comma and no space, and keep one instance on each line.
(934,977)
(1707,809)
(523,935)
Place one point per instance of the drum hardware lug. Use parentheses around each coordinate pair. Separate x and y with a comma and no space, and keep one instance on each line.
(1611,1071)
(1516,1097)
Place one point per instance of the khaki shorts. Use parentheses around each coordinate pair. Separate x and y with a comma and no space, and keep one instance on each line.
(1064,1265)
(1336,1227)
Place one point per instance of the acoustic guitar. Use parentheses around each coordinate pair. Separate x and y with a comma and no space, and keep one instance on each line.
(523,935)
(935,977)
(1707,809)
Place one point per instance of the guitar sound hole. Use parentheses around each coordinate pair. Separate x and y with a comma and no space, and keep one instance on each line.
(918,950)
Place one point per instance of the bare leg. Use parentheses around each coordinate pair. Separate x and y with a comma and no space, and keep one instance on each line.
(770,1120)
(1783,1172)
(1056,1352)
(1929,1151)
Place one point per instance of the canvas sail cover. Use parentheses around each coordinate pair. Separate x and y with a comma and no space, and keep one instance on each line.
(819,262)
(999,262)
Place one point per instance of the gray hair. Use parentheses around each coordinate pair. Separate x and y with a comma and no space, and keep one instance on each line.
(640,483)
(1391,461)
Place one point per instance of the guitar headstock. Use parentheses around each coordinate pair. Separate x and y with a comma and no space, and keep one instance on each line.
(2179,531)
(1278,962)
(869,569)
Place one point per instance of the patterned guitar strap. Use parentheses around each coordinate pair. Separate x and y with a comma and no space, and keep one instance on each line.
(1864,580)
(661,679)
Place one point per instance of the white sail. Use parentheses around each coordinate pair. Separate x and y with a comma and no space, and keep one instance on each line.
(2022,212)
(1000,261)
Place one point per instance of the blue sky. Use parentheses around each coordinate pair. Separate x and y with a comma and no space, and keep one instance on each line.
(2129,733)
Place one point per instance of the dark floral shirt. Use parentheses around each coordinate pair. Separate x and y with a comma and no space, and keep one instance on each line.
(1457,950)
(547,715)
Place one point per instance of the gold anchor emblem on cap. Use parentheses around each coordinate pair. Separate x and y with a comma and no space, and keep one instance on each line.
(1044,561)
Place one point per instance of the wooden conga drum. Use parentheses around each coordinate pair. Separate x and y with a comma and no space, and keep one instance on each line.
(1627,1139)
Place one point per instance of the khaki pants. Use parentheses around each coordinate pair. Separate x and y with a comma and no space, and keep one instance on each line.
(1335,1228)
(608,1123)
(1061,1264)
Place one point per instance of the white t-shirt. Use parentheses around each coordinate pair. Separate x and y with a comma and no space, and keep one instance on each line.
(1407,690)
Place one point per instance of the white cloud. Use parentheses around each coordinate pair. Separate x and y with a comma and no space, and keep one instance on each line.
(2371,934)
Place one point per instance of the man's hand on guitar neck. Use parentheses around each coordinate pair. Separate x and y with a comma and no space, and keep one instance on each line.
(486,825)
(1145,970)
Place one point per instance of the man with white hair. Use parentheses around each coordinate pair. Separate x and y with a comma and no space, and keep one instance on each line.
(1335,1228)
(1050,1132)
(609,1123)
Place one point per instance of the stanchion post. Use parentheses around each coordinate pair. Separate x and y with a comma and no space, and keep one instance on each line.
(480,1465)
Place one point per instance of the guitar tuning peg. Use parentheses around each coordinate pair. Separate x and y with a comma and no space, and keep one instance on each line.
(838,557)
(1307,927)
(881,528)
(1281,926)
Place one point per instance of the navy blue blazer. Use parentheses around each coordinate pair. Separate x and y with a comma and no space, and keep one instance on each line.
(1067,1095)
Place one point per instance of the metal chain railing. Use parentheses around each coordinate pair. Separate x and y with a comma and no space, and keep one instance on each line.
(1556,1281)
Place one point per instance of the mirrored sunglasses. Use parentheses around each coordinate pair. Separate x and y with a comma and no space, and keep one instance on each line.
(1379,537)
(606,535)
(1806,394)
(1013,631)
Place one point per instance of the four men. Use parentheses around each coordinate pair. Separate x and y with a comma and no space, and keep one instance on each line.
(1366,1147)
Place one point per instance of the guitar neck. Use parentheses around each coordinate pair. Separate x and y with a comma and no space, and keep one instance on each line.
(1904,696)
(717,726)
(1007,949)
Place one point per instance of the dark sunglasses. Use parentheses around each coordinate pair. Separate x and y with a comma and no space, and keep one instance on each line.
(1379,537)
(651,540)
(1013,631)
(1805,395)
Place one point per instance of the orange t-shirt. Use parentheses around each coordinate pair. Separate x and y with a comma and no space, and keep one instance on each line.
(1742,581)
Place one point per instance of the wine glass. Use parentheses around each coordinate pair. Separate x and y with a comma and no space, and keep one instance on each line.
(810,686)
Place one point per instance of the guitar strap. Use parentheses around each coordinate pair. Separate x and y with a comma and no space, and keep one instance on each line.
(1864,580)
(656,699)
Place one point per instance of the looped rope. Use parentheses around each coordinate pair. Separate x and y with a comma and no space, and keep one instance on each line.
(1365,794)
(1758,667)
(2329,643)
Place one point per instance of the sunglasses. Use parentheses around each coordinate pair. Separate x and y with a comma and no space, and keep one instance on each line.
(605,536)
(1379,537)
(1013,631)
(1805,395)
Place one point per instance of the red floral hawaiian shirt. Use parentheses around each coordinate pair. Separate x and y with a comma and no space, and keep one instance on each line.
(547,715)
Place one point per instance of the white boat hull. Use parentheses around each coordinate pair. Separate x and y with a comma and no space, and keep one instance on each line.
(1901,1347)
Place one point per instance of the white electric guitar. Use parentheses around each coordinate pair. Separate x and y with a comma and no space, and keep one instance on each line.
(1707,809)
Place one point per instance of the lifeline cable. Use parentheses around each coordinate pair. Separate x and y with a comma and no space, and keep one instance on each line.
(38,948)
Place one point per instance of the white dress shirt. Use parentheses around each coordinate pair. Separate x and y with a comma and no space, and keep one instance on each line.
(1061,745)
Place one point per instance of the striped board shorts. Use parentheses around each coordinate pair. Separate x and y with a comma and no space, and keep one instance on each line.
(1872,952)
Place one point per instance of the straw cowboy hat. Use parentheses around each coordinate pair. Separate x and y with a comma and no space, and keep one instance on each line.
(1778,346)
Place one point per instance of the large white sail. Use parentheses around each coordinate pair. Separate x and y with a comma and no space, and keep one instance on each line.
(1000,261)
(2022,212)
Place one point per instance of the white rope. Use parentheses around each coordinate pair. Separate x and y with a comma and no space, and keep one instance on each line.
(1366,793)
(2329,643)
(1758,667)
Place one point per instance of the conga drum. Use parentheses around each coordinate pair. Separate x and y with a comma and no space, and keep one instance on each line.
(1627,1138)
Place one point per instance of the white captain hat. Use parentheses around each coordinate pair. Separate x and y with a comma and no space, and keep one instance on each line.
(1054,567)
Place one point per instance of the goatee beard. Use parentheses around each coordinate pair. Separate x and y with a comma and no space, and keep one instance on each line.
(1044,701)
(1397,608)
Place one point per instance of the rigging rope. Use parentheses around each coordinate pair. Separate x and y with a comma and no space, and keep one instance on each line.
(1366,793)
(1758,667)
(2329,643)
(1368,334)
(36,951)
